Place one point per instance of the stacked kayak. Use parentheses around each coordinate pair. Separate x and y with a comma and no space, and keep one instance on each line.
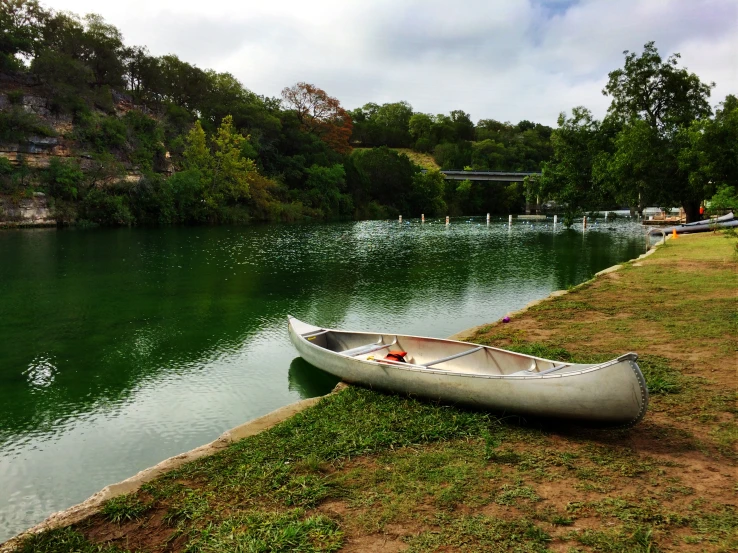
(726,221)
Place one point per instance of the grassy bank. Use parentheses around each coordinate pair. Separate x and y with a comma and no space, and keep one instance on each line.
(362,471)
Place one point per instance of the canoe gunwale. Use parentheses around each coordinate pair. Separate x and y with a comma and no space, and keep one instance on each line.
(630,356)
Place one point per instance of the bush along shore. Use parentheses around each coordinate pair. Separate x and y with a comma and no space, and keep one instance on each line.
(364,471)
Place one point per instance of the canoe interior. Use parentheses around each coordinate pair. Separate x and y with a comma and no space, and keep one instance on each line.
(422,351)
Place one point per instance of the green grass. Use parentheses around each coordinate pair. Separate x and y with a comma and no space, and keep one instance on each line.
(261,532)
(189,506)
(64,540)
(634,539)
(481,534)
(124,508)
(719,526)
(661,377)
(511,494)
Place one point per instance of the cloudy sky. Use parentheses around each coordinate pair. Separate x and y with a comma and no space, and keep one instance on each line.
(500,59)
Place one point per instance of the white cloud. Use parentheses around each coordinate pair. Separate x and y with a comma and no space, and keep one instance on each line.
(507,60)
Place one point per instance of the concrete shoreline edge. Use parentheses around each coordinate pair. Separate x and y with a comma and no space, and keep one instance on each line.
(92,504)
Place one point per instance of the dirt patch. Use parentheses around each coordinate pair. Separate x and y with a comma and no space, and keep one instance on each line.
(374,543)
(138,535)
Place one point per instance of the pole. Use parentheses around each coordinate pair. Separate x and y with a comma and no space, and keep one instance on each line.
(584,222)
(556,219)
(400,219)
(422,217)
(509,220)
(447,223)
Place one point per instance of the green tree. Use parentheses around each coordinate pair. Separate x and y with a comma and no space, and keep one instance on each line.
(568,177)
(489,155)
(103,51)
(231,170)
(325,190)
(220,168)
(392,121)
(726,198)
(655,101)
(197,154)
(388,176)
(61,63)
(709,153)
(427,193)
(462,125)
(21,26)
(420,127)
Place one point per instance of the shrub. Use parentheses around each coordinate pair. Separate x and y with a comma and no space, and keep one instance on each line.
(105,208)
(146,137)
(101,133)
(17,125)
(152,201)
(63,179)
(423,145)
(15,97)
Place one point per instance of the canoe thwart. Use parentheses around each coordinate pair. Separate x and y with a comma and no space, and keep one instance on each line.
(369,348)
(450,357)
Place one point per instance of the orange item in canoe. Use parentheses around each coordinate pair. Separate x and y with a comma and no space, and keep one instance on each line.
(396,355)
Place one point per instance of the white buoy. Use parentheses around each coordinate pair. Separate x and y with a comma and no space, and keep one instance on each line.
(422,217)
(556,219)
(400,218)
(509,220)
(488,218)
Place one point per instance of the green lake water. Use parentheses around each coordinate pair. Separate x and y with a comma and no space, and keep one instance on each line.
(120,348)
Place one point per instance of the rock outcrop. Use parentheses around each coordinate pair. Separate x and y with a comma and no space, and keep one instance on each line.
(36,151)
(33,212)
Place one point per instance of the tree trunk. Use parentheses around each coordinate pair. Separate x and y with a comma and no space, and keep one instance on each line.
(692,210)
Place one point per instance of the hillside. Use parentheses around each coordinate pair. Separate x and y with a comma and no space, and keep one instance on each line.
(94,131)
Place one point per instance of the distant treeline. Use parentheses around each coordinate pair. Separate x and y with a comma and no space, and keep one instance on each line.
(209,150)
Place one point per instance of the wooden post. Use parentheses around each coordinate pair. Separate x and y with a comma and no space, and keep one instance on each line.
(584,222)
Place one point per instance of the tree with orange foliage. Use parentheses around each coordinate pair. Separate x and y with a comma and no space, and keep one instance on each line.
(320,114)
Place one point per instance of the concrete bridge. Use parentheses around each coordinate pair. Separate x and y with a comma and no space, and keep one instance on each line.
(499,176)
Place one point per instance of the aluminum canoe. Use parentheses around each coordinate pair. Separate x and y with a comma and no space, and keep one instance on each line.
(613,392)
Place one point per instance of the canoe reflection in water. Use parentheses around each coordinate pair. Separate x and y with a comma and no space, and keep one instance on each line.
(309,381)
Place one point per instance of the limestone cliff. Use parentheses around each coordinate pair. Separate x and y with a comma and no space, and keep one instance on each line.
(56,140)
